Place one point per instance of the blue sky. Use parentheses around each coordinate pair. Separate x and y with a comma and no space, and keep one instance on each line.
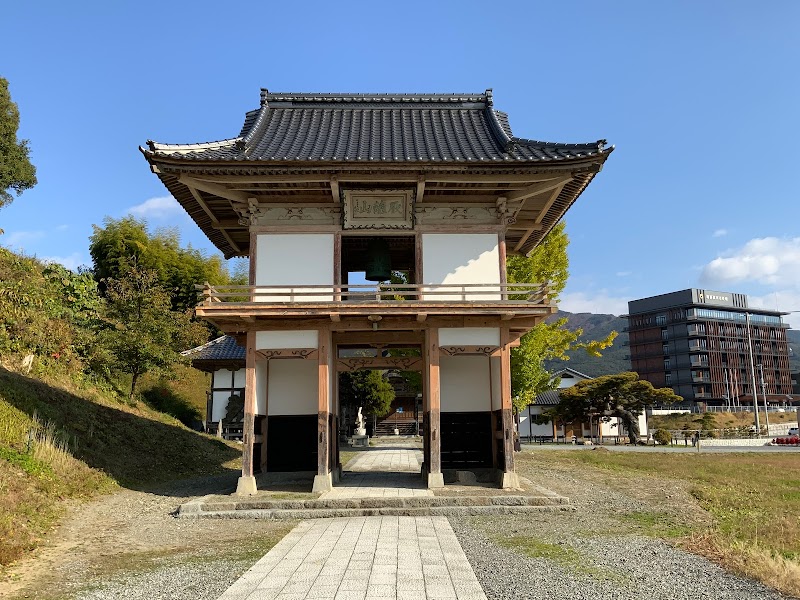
(700,98)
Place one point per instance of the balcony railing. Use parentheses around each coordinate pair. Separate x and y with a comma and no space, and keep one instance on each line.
(493,293)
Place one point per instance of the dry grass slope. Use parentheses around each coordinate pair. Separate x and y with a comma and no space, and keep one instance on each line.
(59,441)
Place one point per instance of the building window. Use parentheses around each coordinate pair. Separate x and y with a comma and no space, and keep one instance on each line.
(661,320)
(664,334)
(665,348)
(666,364)
(668,378)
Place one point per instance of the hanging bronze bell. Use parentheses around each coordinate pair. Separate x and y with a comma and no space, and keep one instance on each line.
(379,262)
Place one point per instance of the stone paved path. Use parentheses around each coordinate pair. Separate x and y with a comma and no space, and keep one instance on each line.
(387,459)
(381,473)
(363,558)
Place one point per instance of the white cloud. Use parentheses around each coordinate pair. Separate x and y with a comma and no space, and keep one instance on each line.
(72,262)
(162,207)
(783,300)
(624,273)
(771,261)
(720,233)
(18,239)
(599,303)
(62,227)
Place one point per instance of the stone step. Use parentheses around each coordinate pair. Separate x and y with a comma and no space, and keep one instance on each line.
(329,513)
(410,505)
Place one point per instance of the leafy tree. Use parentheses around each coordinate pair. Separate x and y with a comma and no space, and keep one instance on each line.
(623,395)
(126,241)
(141,333)
(16,171)
(547,263)
(45,309)
(367,388)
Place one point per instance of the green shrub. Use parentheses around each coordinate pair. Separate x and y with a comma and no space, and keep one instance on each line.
(663,437)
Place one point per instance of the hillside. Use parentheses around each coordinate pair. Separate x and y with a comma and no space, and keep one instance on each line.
(595,327)
(613,359)
(793,336)
(66,430)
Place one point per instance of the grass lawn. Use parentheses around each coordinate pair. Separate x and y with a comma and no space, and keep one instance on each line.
(754,500)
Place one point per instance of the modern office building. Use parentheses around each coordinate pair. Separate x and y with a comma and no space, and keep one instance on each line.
(702,343)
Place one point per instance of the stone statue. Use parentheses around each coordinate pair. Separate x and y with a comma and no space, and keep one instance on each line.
(234,411)
(360,428)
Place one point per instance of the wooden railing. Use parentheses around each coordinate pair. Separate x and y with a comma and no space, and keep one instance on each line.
(531,293)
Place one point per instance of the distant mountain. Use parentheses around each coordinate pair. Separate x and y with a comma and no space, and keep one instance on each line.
(793,336)
(596,327)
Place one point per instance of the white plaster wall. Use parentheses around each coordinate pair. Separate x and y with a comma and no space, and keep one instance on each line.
(469,336)
(277,340)
(613,428)
(239,378)
(497,388)
(220,404)
(292,387)
(261,387)
(464,382)
(222,378)
(459,258)
(528,428)
(293,259)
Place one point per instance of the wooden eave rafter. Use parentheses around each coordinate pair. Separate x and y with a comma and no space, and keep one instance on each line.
(531,189)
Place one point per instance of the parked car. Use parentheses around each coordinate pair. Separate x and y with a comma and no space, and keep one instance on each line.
(794,431)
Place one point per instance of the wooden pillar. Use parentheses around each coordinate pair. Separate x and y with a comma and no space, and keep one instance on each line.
(265,420)
(252,271)
(508,477)
(501,250)
(323,480)
(435,477)
(247,482)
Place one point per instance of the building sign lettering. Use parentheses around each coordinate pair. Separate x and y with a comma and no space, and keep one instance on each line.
(378,209)
(712,297)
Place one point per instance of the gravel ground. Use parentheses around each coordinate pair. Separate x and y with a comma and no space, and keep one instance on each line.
(194,581)
(128,546)
(600,552)
(609,568)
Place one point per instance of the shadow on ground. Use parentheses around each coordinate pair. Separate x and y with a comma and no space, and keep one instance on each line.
(138,451)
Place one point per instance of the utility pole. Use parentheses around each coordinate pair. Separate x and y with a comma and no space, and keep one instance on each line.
(753,375)
(764,395)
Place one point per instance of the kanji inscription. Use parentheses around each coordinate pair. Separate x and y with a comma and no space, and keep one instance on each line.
(378,209)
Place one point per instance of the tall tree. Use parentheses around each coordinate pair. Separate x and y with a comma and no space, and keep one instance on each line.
(547,263)
(623,395)
(122,242)
(16,171)
(141,333)
(367,388)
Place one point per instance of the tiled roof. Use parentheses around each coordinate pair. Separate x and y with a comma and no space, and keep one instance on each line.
(548,398)
(560,372)
(223,348)
(378,128)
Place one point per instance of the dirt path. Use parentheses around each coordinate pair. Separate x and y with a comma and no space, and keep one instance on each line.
(131,530)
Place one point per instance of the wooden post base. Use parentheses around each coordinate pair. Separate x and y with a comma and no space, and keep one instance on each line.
(509,480)
(246,486)
(433,480)
(322,483)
